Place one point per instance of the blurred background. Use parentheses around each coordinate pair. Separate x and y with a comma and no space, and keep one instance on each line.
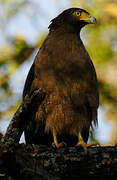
(23,27)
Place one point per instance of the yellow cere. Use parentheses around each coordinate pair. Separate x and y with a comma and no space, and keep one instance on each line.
(81,15)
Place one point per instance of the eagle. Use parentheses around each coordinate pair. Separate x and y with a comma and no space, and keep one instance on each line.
(64,71)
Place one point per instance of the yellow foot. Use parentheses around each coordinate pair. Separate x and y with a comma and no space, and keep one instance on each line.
(59,145)
(56,144)
(93,144)
(82,144)
(85,146)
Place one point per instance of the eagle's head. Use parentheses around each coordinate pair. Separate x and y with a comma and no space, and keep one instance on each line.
(75,18)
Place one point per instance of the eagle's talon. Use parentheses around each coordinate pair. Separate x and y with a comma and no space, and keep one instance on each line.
(82,144)
(54,145)
(59,145)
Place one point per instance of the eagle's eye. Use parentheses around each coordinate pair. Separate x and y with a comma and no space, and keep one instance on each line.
(76,13)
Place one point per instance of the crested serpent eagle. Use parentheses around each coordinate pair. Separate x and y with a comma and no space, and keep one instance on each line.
(64,71)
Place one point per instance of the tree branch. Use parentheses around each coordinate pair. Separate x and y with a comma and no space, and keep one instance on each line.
(20,161)
(23,116)
(47,163)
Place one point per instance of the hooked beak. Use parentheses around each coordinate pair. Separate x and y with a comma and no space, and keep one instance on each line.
(92,20)
(87,18)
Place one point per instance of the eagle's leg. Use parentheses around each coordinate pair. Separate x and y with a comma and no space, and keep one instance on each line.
(58,145)
(83,144)
(81,141)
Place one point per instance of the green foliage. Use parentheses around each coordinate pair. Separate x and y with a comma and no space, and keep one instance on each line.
(101,53)
(108,94)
